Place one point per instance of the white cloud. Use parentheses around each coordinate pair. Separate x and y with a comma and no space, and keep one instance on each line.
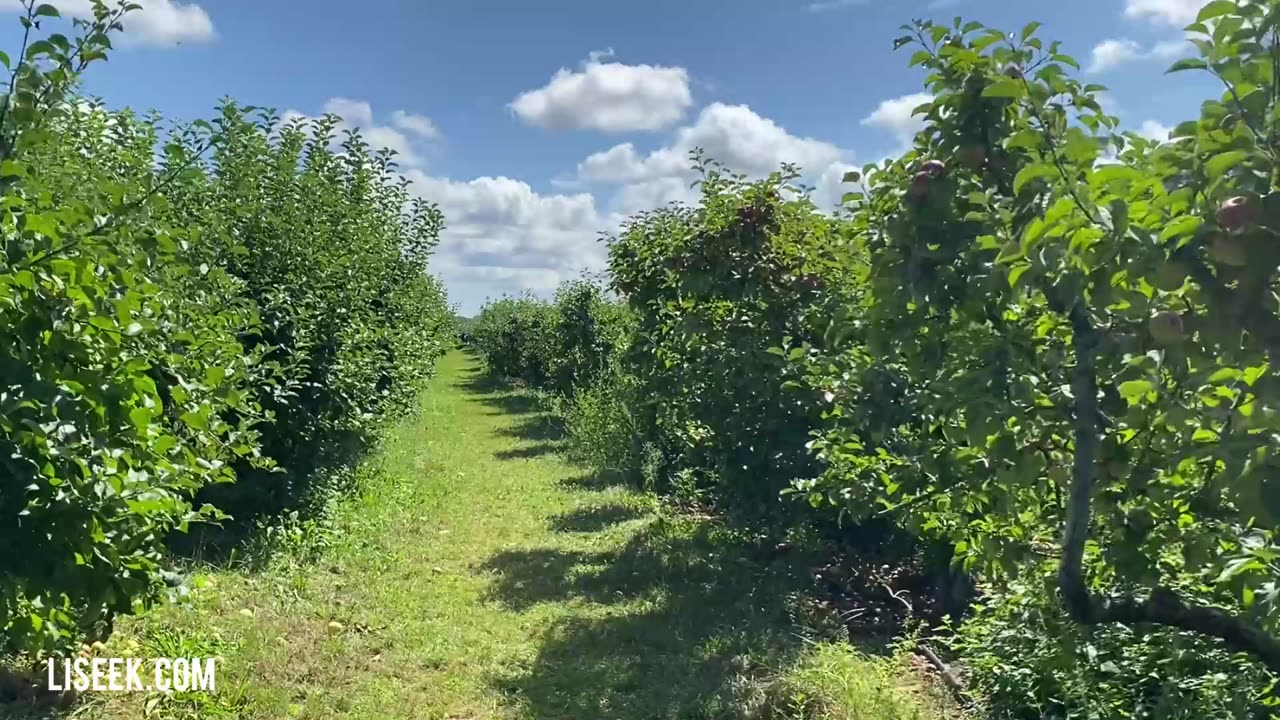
(503,237)
(608,96)
(731,134)
(1109,53)
(1118,51)
(1169,12)
(1153,130)
(159,22)
(734,135)
(830,186)
(358,114)
(621,163)
(419,125)
(748,143)
(895,116)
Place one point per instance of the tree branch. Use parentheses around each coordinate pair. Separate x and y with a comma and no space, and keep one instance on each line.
(1163,607)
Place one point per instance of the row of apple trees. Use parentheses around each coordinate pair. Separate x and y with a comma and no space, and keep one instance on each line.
(1035,339)
(1062,364)
(195,321)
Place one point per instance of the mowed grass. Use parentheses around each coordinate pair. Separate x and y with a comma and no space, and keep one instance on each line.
(478,575)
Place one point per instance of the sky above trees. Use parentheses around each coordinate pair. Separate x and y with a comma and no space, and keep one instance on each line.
(539,126)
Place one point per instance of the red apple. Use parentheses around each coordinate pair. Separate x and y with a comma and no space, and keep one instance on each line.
(1237,214)
(1166,328)
(919,185)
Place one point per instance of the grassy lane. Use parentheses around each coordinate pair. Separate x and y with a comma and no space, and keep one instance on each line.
(479,576)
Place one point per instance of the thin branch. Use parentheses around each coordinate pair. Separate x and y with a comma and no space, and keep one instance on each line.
(13,76)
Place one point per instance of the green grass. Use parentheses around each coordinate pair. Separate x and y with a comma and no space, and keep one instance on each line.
(480,576)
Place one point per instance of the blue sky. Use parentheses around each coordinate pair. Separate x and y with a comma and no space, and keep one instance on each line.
(537,125)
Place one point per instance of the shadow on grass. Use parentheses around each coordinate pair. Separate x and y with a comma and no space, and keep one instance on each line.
(694,619)
(535,428)
(535,423)
(595,482)
(594,519)
(528,452)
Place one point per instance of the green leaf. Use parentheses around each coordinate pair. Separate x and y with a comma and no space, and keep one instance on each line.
(1180,226)
(1219,164)
(1187,64)
(1135,390)
(1032,172)
(1005,88)
(1016,272)
(47,10)
(1224,375)
(133,330)
(1029,29)
(1217,8)
(852,176)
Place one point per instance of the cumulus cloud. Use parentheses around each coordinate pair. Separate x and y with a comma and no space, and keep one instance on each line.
(1167,12)
(358,114)
(1113,52)
(503,236)
(735,135)
(159,22)
(895,116)
(1118,51)
(608,96)
(419,125)
(1153,130)
(732,134)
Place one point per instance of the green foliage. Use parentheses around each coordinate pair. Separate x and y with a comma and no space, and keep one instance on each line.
(601,424)
(1028,659)
(170,323)
(591,334)
(333,255)
(713,288)
(568,343)
(1063,353)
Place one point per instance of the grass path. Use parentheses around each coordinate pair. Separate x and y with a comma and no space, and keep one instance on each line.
(480,576)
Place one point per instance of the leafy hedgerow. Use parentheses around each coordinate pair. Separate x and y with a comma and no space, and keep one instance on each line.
(1063,365)
(713,288)
(1033,338)
(172,320)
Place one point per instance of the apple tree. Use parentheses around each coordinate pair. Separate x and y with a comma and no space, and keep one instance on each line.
(1066,351)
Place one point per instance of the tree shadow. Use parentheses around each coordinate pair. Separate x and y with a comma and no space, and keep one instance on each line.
(595,482)
(595,518)
(693,619)
(535,428)
(528,452)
